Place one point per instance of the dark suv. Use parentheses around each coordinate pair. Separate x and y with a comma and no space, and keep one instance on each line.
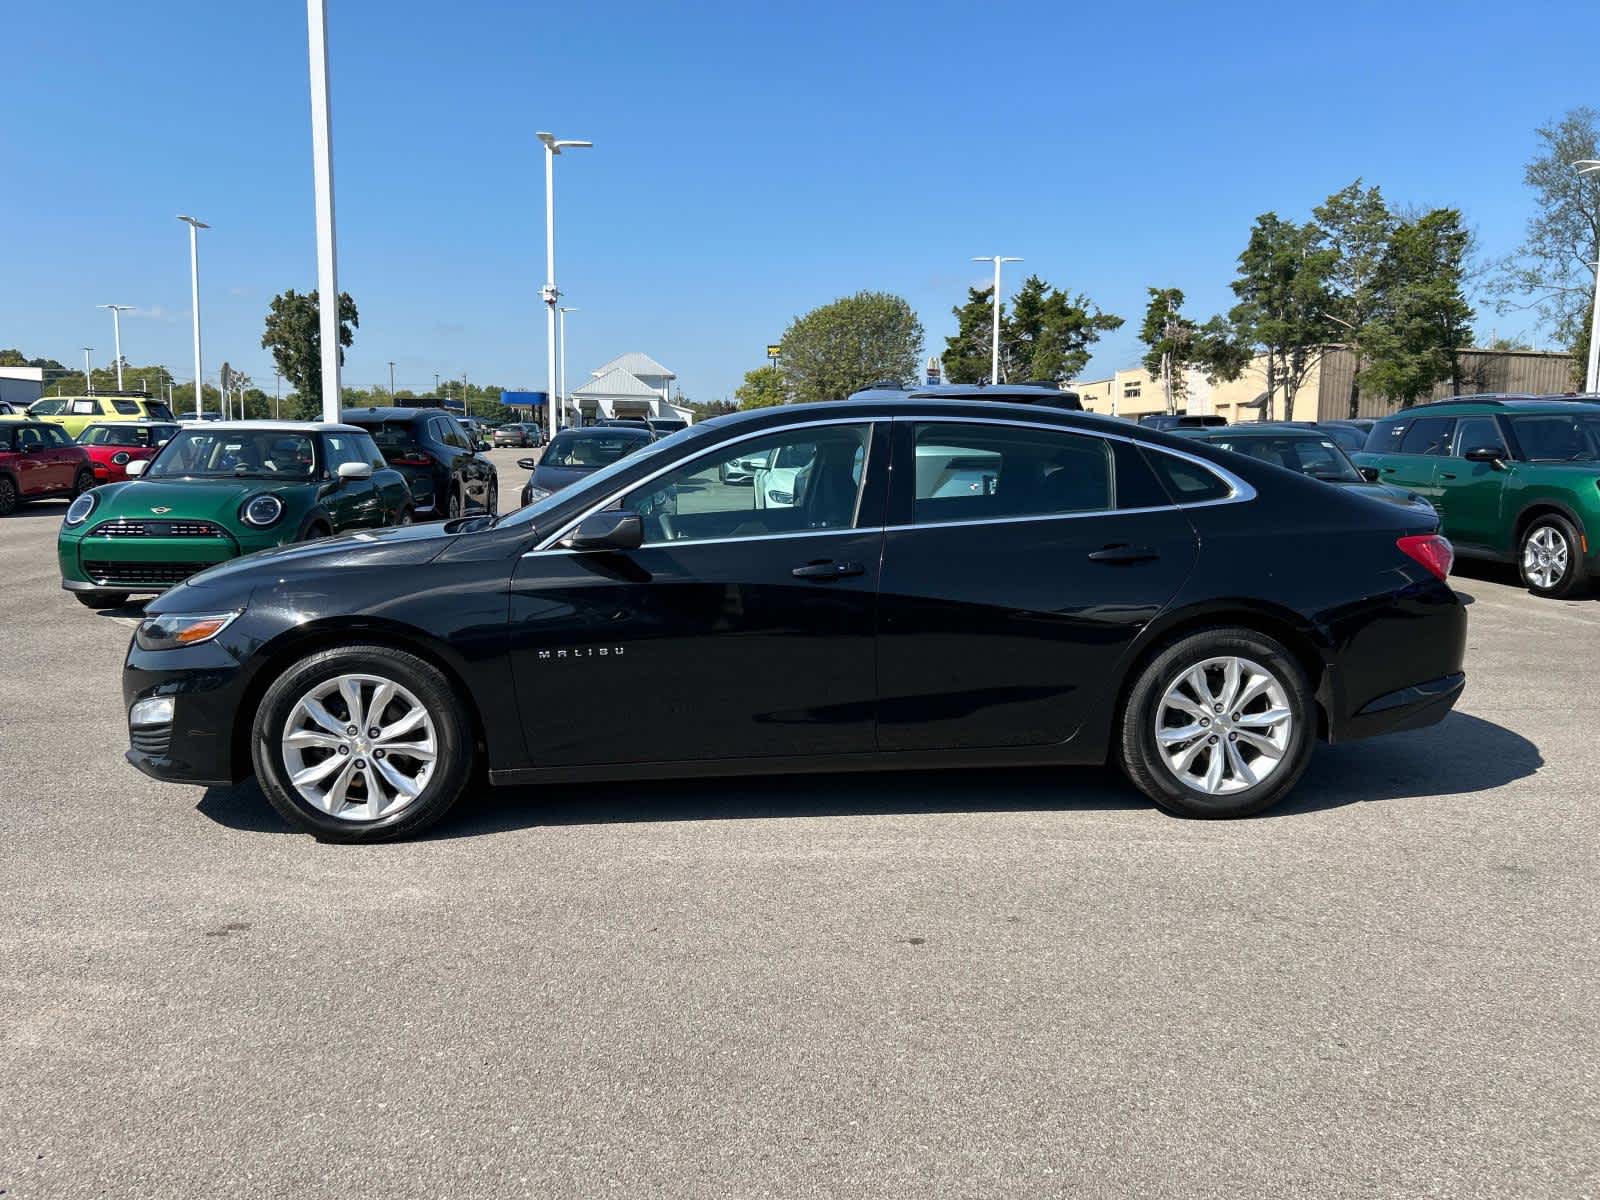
(447,476)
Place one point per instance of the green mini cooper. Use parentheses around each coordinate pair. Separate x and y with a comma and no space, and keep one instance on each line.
(1515,479)
(220,490)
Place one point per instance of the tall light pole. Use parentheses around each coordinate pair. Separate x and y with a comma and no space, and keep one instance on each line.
(436,383)
(277,395)
(194,301)
(391,381)
(116,333)
(562,312)
(994,358)
(552,147)
(88,380)
(322,179)
(1591,377)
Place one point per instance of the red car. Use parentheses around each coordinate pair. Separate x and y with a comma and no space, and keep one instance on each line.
(111,447)
(39,461)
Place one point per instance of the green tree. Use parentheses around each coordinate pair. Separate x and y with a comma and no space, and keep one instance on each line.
(1552,272)
(1045,333)
(1175,345)
(1415,339)
(841,347)
(762,388)
(1283,293)
(294,336)
(1356,225)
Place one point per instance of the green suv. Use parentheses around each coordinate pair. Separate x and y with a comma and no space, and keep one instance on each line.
(1514,480)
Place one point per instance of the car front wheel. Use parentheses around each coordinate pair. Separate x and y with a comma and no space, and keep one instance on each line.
(1220,723)
(361,744)
(1551,557)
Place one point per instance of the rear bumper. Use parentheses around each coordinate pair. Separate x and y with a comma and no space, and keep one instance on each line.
(1410,707)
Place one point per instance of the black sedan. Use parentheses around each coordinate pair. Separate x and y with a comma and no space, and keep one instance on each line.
(1025,586)
(1308,449)
(574,454)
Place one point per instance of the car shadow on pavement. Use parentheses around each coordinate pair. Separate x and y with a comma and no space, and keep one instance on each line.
(38,510)
(1483,569)
(1461,755)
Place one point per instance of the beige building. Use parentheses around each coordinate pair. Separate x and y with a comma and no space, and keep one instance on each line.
(1325,393)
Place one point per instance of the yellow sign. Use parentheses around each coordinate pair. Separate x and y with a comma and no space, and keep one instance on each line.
(772,351)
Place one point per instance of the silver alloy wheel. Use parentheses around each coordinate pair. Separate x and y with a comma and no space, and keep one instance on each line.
(1224,725)
(359,747)
(1544,557)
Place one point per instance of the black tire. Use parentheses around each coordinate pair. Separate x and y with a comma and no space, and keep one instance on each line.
(8,496)
(1549,535)
(83,483)
(1142,759)
(406,517)
(493,507)
(101,599)
(454,742)
(315,530)
(453,508)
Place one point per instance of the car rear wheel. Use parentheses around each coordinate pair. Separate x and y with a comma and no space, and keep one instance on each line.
(453,509)
(1219,724)
(101,599)
(8,496)
(361,744)
(1551,557)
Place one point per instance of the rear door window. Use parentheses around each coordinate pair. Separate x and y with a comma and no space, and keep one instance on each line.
(972,472)
(84,408)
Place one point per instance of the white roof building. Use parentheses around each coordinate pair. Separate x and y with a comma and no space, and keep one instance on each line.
(632,385)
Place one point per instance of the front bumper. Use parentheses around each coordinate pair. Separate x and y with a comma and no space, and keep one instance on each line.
(206,684)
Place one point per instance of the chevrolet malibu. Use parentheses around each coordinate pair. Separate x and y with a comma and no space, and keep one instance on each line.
(1091,590)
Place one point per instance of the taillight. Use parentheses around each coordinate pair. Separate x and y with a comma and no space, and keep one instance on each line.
(1432,550)
(419,459)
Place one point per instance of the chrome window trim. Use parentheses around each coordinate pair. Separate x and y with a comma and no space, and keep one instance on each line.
(549,543)
(724,541)
(1240,491)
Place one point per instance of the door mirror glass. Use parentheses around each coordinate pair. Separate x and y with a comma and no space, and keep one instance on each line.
(611,530)
(528,464)
(138,467)
(1370,474)
(355,470)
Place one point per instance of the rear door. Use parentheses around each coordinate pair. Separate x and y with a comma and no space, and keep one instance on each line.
(734,632)
(1019,563)
(1409,449)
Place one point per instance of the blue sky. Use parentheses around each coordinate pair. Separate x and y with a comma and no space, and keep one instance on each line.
(751,161)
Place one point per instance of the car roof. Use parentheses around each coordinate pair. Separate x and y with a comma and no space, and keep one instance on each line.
(597,430)
(267,426)
(393,413)
(1512,403)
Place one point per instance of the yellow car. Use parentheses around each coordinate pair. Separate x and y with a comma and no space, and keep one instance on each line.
(77,413)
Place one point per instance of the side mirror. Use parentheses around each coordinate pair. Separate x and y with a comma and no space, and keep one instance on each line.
(1492,455)
(138,467)
(528,464)
(1370,474)
(613,530)
(350,471)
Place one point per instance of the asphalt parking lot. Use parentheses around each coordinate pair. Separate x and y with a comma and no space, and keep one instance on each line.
(1026,983)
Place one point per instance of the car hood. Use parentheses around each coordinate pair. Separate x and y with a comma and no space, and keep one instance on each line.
(200,499)
(553,479)
(404,546)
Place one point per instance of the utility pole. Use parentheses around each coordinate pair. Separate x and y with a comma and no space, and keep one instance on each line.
(194,300)
(552,147)
(322,178)
(994,354)
(391,381)
(277,395)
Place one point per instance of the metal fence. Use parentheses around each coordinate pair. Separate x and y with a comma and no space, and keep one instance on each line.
(1539,372)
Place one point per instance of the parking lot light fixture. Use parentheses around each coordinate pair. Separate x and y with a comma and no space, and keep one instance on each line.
(322,183)
(116,334)
(194,302)
(552,147)
(1591,376)
(994,350)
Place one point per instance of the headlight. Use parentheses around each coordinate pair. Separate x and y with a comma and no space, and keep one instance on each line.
(172,630)
(80,508)
(538,493)
(120,457)
(261,511)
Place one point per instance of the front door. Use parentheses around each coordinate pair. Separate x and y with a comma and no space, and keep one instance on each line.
(1019,564)
(1472,491)
(35,464)
(350,503)
(64,457)
(1410,452)
(736,631)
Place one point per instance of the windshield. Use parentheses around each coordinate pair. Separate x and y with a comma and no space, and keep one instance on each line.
(1559,437)
(236,454)
(126,435)
(1319,457)
(591,449)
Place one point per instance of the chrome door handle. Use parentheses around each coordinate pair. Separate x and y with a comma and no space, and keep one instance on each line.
(1124,554)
